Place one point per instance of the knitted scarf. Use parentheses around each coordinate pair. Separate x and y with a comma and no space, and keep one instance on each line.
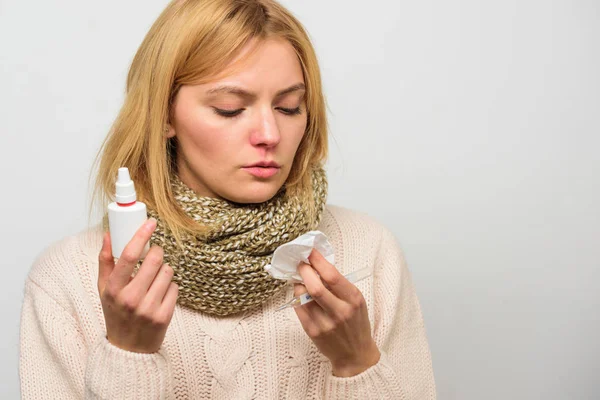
(224,273)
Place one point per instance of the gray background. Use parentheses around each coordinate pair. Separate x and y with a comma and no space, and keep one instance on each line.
(470,128)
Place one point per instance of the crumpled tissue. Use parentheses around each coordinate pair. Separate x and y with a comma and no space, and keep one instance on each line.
(287,257)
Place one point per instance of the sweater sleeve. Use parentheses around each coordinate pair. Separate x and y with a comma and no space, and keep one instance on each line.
(404,370)
(57,363)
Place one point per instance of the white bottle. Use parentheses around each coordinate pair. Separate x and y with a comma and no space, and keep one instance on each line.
(125,215)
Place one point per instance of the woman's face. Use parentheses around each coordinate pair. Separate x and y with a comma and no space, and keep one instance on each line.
(256,114)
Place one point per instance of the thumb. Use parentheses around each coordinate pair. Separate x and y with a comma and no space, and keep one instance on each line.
(106,262)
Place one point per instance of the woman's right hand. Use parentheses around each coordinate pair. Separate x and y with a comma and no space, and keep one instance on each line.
(137,310)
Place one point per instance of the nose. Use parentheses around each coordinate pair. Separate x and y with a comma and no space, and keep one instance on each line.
(266,131)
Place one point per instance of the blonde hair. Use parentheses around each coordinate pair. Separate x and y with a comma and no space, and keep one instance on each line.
(190,43)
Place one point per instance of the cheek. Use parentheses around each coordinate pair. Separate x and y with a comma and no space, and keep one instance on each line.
(292,127)
(297,126)
(200,132)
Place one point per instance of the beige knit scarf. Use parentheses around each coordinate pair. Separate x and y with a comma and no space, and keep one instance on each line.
(224,273)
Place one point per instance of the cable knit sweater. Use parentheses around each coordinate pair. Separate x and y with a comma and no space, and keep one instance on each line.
(259,354)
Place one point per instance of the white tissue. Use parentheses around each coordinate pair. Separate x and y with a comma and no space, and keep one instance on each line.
(287,257)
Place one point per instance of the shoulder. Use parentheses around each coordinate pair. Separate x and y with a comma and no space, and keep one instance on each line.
(60,256)
(352,221)
(357,234)
(68,265)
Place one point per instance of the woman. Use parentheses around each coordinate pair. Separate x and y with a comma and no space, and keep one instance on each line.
(224,133)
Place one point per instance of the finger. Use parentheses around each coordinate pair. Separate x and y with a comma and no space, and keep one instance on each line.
(131,254)
(147,272)
(299,289)
(337,283)
(319,317)
(106,262)
(318,291)
(160,285)
(166,309)
(307,323)
(313,318)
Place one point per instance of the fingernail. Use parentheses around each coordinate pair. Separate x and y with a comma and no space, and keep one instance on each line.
(304,265)
(150,224)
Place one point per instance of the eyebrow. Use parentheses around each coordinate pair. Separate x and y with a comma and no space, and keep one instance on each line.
(246,94)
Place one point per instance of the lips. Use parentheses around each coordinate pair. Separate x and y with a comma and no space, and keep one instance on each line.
(270,164)
(262,172)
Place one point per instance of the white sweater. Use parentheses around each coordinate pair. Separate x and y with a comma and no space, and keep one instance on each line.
(260,354)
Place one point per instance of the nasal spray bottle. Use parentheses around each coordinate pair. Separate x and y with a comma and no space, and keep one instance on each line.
(125,215)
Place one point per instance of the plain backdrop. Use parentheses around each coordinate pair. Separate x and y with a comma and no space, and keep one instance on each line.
(470,128)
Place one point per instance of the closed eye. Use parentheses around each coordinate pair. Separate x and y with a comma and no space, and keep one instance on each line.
(290,111)
(235,113)
(228,113)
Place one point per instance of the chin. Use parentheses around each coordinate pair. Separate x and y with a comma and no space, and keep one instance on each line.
(257,192)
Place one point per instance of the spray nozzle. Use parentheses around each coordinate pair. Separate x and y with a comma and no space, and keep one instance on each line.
(125,192)
(124,175)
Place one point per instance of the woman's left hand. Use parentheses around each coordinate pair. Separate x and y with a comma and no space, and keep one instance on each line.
(337,321)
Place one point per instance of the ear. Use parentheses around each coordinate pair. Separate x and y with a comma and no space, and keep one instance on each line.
(169,131)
